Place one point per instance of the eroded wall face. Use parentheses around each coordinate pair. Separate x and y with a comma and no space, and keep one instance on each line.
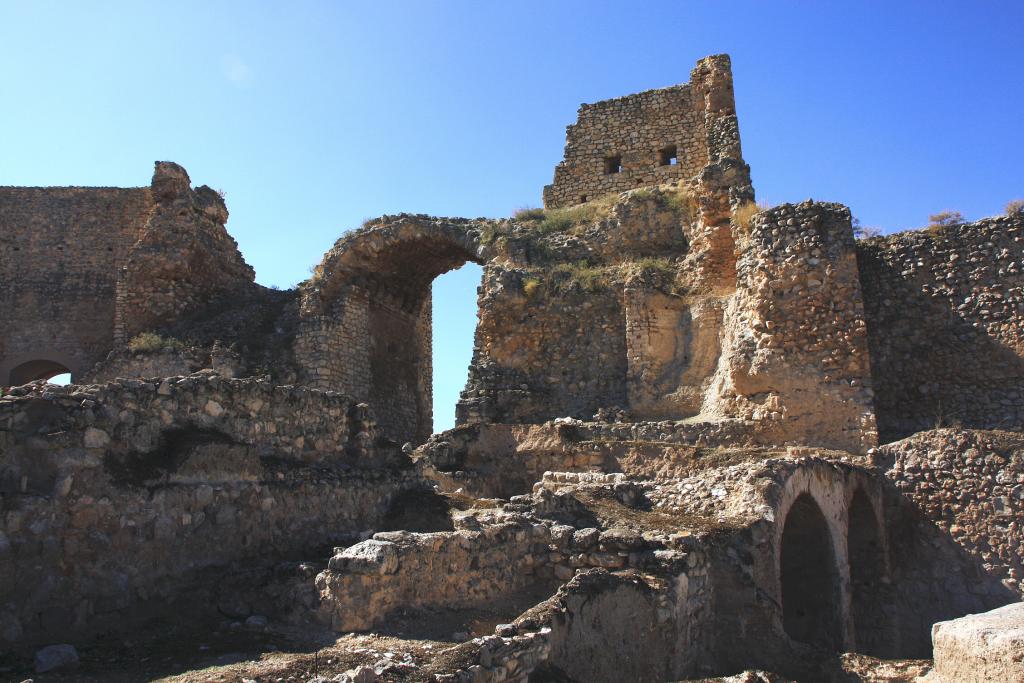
(673,346)
(86,268)
(61,250)
(795,354)
(123,493)
(944,314)
(546,354)
(648,138)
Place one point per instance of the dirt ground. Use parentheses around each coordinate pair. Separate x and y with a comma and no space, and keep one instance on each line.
(197,650)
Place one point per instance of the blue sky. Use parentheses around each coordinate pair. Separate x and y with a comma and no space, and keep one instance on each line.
(313,116)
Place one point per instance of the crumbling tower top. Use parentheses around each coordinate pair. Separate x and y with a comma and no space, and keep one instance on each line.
(649,138)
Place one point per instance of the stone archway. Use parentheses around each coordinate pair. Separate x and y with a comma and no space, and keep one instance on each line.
(809,577)
(873,626)
(31,370)
(366,316)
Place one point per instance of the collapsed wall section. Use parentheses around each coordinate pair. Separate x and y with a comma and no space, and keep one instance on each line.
(116,496)
(943,310)
(649,138)
(183,259)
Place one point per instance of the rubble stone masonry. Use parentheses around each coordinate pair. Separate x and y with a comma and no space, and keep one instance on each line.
(649,138)
(120,493)
(944,309)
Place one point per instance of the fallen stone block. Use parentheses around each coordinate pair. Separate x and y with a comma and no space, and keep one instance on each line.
(981,647)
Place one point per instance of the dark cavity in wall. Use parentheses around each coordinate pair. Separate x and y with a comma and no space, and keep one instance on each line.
(174,447)
(810,578)
(871,599)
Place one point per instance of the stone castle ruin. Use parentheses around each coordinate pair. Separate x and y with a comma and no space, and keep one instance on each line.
(699,437)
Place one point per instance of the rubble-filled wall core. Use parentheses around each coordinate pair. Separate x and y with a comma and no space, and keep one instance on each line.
(795,354)
(649,138)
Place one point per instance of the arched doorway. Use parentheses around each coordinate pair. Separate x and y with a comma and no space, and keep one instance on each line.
(373,306)
(32,370)
(455,319)
(810,577)
(872,625)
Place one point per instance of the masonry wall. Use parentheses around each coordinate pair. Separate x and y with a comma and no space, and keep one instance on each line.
(944,310)
(549,354)
(795,353)
(61,249)
(631,136)
(85,269)
(376,348)
(954,510)
(365,320)
(117,496)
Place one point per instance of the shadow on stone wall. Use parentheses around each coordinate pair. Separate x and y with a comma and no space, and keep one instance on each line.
(931,365)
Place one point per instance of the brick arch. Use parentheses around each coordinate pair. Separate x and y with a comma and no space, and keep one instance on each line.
(366,316)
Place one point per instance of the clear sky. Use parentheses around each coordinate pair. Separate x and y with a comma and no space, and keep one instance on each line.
(313,116)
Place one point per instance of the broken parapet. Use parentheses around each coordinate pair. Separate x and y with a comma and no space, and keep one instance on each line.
(184,257)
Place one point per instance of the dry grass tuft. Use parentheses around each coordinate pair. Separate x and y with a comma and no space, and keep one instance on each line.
(151,342)
(744,214)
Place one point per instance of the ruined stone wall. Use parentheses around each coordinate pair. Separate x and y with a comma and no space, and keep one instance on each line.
(795,354)
(944,311)
(60,252)
(545,353)
(958,510)
(114,495)
(183,259)
(367,582)
(86,268)
(648,138)
(365,316)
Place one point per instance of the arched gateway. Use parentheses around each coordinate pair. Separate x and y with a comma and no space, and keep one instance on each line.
(374,286)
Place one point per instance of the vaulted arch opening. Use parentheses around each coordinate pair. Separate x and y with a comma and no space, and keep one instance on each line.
(33,370)
(376,302)
(810,577)
(455,317)
(872,624)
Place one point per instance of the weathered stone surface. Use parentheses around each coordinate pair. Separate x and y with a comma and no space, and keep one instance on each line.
(664,467)
(981,647)
(54,657)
